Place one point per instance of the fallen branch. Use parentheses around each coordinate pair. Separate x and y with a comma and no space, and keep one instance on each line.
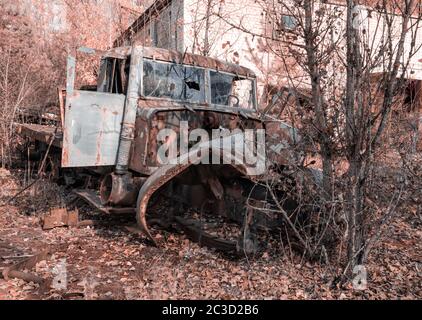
(17,257)
(28,277)
(15,271)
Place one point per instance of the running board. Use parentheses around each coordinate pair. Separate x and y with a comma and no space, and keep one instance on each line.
(92,198)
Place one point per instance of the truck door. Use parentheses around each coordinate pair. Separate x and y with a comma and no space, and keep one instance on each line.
(93,119)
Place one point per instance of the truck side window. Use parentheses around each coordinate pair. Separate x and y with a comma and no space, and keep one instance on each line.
(221,86)
(173,81)
(113,76)
(231,90)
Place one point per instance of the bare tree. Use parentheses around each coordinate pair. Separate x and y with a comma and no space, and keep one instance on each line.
(355,62)
(364,128)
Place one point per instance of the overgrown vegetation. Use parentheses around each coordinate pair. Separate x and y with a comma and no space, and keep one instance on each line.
(346,87)
(357,119)
(35,39)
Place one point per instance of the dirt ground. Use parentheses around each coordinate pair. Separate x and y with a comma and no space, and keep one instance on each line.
(109,262)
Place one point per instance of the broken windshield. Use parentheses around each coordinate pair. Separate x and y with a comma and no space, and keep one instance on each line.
(231,90)
(174,81)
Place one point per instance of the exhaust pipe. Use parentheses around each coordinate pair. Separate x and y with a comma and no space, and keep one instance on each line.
(127,135)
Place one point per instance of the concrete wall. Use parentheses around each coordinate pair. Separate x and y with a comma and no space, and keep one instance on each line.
(233,35)
(377,38)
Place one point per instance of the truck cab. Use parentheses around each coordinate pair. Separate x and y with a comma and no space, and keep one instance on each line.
(156,88)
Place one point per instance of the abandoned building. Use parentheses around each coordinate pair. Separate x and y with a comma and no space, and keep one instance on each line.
(182,25)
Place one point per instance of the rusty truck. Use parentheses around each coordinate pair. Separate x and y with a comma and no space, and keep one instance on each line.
(115,130)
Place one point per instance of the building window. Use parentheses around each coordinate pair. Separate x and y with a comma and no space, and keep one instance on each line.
(288,22)
(411,96)
(285,24)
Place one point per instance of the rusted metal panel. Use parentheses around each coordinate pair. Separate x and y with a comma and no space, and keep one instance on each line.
(60,217)
(41,133)
(92,129)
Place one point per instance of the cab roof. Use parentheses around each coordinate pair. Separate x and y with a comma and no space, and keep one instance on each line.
(182,58)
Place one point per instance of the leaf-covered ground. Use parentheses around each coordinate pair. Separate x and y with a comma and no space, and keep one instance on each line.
(109,262)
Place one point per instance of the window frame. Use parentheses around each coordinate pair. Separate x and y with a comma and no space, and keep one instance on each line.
(207,83)
(107,82)
(254,108)
(284,25)
(279,26)
(142,90)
